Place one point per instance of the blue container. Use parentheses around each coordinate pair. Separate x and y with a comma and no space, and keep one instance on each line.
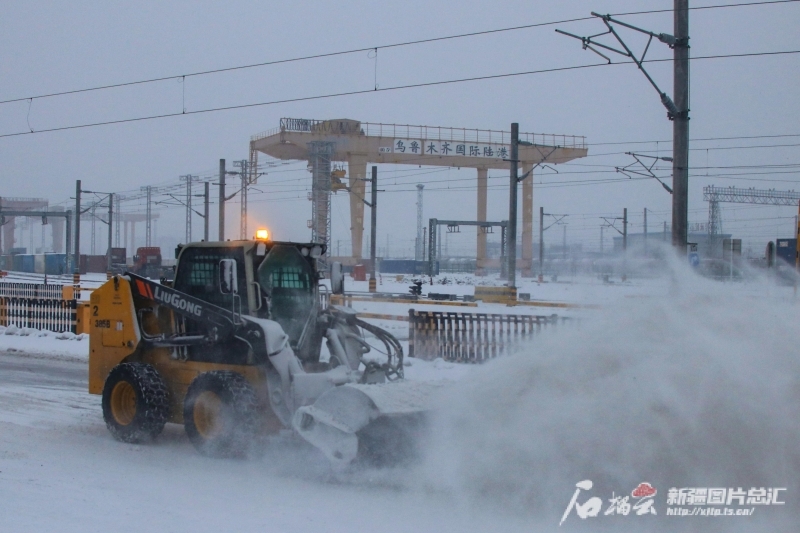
(406,266)
(55,264)
(786,249)
(28,263)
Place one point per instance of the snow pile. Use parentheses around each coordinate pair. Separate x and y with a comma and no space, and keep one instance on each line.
(698,389)
(44,343)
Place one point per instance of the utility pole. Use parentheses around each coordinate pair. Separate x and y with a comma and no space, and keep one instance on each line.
(625,229)
(118,199)
(677,110)
(244,175)
(205,212)
(110,228)
(94,224)
(564,245)
(558,219)
(541,244)
(512,207)
(680,127)
(373,230)
(148,217)
(419,244)
(645,229)
(221,199)
(76,261)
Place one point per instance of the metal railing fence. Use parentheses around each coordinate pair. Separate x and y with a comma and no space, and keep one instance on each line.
(51,314)
(470,337)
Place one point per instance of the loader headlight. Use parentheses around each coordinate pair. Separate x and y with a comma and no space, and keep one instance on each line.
(262,234)
(304,251)
(316,251)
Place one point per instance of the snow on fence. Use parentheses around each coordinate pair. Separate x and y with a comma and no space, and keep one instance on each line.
(31,290)
(469,337)
(51,314)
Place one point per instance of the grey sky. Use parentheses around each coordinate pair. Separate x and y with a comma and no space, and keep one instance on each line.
(56,46)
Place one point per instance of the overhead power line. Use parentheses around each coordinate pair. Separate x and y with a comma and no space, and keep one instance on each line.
(377,89)
(361,50)
(700,139)
(744,4)
(294,59)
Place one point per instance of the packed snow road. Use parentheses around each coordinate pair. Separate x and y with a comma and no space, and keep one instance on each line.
(61,470)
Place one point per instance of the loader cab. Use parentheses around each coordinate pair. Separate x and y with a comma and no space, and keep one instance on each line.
(275,280)
(288,277)
(198,274)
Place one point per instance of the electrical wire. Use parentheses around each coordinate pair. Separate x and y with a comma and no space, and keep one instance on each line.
(744,4)
(379,89)
(363,49)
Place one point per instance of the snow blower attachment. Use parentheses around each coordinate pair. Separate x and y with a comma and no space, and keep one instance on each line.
(232,349)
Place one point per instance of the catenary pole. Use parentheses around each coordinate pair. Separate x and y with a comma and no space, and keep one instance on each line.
(76,258)
(625,229)
(541,243)
(205,211)
(221,199)
(110,230)
(373,229)
(680,127)
(512,207)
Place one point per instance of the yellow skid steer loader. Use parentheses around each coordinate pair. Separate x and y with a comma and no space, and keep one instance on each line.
(231,349)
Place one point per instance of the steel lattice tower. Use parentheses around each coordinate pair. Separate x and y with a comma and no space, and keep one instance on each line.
(419,252)
(714,195)
(714,223)
(188,179)
(320,154)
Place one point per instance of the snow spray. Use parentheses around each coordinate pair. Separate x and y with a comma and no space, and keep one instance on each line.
(696,389)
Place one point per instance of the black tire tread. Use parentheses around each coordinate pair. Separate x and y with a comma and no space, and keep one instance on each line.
(237,393)
(152,409)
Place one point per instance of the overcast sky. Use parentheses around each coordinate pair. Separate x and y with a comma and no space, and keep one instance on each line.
(50,47)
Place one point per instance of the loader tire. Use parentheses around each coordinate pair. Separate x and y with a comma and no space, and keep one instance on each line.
(135,402)
(220,414)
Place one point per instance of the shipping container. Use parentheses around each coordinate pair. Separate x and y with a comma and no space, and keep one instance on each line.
(27,263)
(786,249)
(406,266)
(118,256)
(93,263)
(55,264)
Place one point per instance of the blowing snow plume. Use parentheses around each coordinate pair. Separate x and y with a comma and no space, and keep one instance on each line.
(695,389)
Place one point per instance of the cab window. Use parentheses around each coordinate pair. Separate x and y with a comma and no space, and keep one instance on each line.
(198,275)
(288,280)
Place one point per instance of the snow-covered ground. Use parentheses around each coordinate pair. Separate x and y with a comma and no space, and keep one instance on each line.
(41,343)
(679,382)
